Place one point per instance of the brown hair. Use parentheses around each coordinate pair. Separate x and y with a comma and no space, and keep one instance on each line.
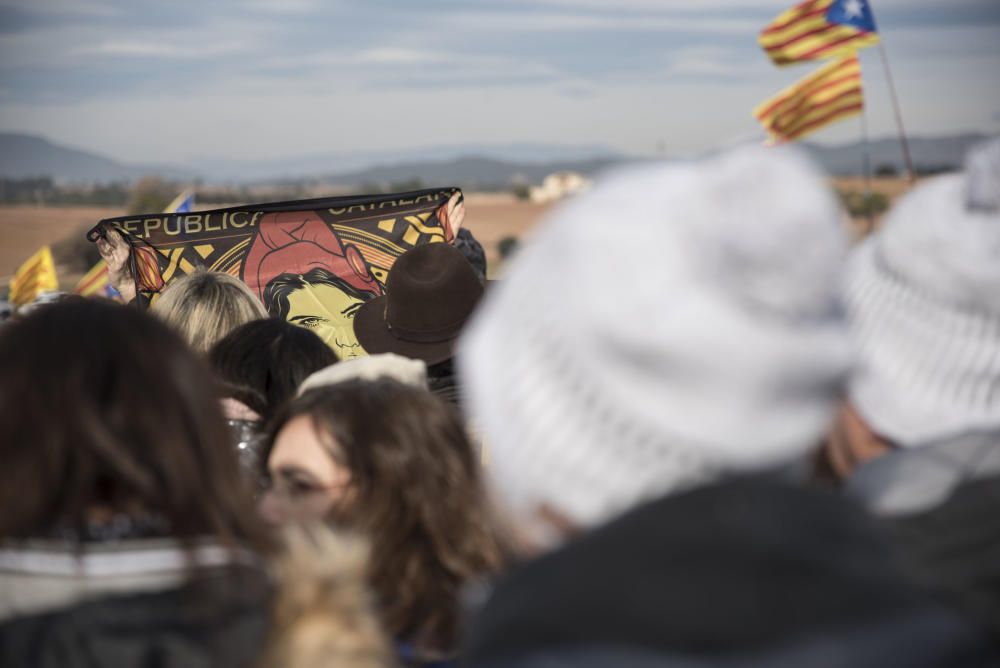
(417,497)
(204,306)
(104,407)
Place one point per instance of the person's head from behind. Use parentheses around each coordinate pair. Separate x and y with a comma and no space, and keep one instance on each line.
(394,463)
(108,414)
(698,337)
(923,301)
(204,306)
(271,358)
(431,291)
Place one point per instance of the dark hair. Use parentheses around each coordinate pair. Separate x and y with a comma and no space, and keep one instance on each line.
(268,359)
(442,381)
(418,497)
(105,407)
(277,290)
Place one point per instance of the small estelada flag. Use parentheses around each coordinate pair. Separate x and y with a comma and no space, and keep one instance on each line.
(95,282)
(35,276)
(828,95)
(183,203)
(819,29)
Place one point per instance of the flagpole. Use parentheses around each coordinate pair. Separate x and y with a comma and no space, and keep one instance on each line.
(910,173)
(866,167)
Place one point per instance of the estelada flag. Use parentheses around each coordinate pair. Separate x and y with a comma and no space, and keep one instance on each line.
(312,262)
(94,282)
(818,29)
(183,203)
(97,281)
(828,95)
(35,276)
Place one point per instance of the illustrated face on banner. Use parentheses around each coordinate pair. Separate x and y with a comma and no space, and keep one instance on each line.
(322,302)
(329,313)
(308,276)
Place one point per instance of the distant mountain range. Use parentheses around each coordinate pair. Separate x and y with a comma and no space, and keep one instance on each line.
(471,166)
(468,172)
(928,153)
(311,166)
(23,156)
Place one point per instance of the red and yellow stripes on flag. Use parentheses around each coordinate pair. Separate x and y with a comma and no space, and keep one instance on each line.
(830,94)
(805,33)
(97,280)
(94,282)
(35,276)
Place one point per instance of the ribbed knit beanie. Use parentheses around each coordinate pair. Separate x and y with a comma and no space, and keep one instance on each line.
(370,367)
(677,322)
(923,300)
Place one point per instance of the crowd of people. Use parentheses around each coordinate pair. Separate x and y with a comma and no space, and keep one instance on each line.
(694,425)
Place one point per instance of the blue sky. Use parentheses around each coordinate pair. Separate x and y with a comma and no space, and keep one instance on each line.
(176,81)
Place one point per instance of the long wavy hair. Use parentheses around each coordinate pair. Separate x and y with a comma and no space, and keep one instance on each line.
(417,496)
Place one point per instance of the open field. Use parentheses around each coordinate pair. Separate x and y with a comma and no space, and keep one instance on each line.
(491,217)
(23,229)
(890,187)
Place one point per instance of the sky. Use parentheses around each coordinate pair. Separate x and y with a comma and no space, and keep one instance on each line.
(180,80)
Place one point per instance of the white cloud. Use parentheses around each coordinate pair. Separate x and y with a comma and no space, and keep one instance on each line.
(666,7)
(288,7)
(161,49)
(64,46)
(63,7)
(567,22)
(398,56)
(714,61)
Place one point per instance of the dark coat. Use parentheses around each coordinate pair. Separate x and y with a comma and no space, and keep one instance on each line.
(218,619)
(954,548)
(746,573)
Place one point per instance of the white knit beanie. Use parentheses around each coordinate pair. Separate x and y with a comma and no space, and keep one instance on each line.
(677,322)
(923,300)
(371,367)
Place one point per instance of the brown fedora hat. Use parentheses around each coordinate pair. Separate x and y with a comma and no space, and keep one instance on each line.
(430,292)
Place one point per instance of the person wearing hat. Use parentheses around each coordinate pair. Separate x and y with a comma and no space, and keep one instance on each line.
(370,367)
(654,376)
(918,442)
(675,325)
(431,291)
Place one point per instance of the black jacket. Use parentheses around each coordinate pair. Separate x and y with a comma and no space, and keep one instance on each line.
(746,573)
(219,619)
(954,548)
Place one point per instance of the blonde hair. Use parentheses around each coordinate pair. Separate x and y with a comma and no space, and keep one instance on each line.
(206,305)
(323,613)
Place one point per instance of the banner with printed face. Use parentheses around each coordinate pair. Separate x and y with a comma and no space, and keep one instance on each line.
(312,262)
